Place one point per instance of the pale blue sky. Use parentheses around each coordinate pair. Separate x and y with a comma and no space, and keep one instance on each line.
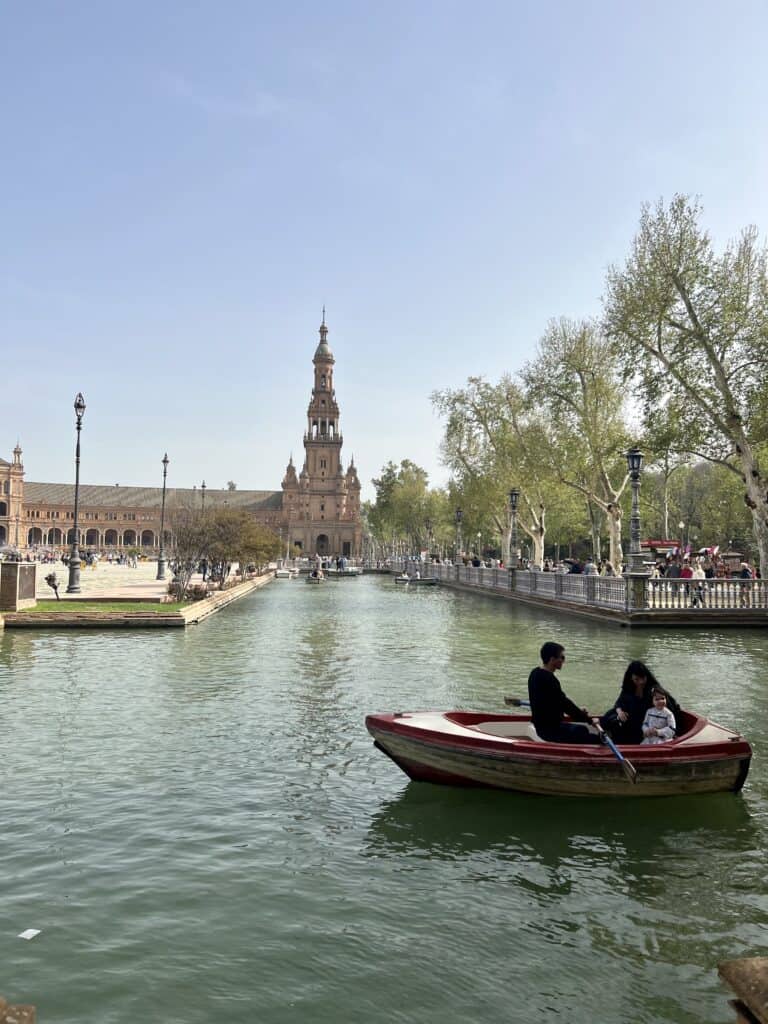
(185,184)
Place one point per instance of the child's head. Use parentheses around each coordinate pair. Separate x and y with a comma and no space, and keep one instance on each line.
(659,699)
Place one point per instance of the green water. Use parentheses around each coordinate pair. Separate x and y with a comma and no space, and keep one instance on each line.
(199,825)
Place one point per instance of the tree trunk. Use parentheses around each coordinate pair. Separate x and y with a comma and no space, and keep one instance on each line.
(537,532)
(616,555)
(756,499)
(665,508)
(538,548)
(594,529)
(506,545)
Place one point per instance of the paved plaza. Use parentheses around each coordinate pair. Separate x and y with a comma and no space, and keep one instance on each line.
(107,581)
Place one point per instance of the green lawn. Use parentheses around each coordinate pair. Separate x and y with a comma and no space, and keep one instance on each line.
(94,607)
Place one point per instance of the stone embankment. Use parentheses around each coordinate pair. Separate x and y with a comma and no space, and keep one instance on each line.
(636,600)
(70,618)
(220,599)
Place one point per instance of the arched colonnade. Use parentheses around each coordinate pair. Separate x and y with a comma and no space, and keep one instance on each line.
(93,538)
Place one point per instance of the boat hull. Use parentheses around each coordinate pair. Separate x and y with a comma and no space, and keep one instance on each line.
(429,581)
(462,757)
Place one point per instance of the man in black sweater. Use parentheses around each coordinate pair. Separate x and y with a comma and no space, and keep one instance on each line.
(549,704)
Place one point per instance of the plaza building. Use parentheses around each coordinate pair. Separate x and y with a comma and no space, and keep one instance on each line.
(316,509)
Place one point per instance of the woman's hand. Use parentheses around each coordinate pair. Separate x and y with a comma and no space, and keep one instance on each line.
(622,714)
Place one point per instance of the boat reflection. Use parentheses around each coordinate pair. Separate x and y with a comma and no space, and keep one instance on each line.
(455,823)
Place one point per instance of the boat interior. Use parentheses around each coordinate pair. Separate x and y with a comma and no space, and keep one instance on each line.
(520,727)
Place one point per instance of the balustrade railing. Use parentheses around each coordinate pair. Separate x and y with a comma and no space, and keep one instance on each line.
(659,595)
(723,595)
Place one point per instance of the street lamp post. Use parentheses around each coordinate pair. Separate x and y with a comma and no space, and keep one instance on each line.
(514,498)
(202,491)
(634,465)
(73,586)
(459,515)
(681,528)
(161,555)
(479,535)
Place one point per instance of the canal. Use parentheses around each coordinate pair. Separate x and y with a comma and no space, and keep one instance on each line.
(199,826)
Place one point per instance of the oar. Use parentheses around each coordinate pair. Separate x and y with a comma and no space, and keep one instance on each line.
(626,766)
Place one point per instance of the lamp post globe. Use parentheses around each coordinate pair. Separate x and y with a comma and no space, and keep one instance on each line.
(73,585)
(634,460)
(161,553)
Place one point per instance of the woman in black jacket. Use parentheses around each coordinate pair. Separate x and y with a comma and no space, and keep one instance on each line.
(625,719)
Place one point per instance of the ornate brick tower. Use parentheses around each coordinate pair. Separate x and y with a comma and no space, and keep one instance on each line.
(12,525)
(322,507)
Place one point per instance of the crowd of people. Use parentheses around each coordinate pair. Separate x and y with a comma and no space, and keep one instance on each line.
(89,558)
(672,567)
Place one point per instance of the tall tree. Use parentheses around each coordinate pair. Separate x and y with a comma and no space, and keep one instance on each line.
(235,536)
(493,440)
(405,509)
(692,328)
(189,543)
(575,380)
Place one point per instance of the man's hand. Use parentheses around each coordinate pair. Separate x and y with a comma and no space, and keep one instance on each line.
(622,714)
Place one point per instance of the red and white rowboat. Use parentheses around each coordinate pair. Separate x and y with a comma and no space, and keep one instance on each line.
(502,751)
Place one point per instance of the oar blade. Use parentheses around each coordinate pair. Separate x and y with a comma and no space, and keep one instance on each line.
(630,772)
(515,702)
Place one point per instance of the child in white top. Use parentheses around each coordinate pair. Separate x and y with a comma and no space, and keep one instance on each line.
(659,723)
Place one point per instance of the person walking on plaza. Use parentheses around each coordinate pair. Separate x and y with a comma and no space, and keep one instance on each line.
(549,704)
(745,573)
(673,570)
(698,593)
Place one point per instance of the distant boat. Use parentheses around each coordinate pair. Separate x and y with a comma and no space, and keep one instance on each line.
(350,572)
(285,573)
(419,581)
(316,578)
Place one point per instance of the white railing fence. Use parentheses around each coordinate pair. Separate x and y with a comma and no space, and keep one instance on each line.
(661,595)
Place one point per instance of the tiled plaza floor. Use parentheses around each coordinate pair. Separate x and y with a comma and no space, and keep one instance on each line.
(105,580)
